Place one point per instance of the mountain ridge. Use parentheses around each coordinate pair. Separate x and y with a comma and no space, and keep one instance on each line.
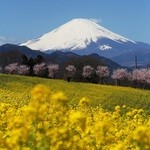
(55,57)
(84,37)
(73,35)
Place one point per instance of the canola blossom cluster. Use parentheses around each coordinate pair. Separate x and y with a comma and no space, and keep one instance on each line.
(48,121)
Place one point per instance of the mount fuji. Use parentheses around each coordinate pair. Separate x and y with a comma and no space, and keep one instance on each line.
(85,36)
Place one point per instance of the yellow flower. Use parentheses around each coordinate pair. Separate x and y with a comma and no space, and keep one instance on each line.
(60,97)
(78,117)
(40,92)
(84,102)
(119,146)
(124,106)
(142,136)
(117,108)
(140,111)
(63,133)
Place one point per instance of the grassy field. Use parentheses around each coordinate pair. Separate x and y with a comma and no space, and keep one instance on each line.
(16,90)
(49,120)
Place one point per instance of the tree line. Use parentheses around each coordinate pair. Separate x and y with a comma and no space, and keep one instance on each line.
(102,74)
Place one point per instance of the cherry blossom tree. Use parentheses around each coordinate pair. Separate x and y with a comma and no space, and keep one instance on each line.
(140,76)
(87,72)
(12,68)
(23,70)
(71,69)
(52,70)
(148,77)
(1,70)
(102,72)
(133,76)
(119,75)
(40,69)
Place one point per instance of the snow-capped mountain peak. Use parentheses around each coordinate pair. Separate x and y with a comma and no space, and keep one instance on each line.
(75,34)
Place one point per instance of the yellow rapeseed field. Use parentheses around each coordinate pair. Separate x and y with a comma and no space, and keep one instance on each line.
(45,116)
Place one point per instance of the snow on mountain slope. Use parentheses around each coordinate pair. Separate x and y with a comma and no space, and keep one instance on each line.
(105,47)
(74,35)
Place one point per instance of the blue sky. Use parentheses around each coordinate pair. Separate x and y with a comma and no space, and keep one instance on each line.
(21,20)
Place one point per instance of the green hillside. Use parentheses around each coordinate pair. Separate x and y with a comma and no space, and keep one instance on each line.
(16,90)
